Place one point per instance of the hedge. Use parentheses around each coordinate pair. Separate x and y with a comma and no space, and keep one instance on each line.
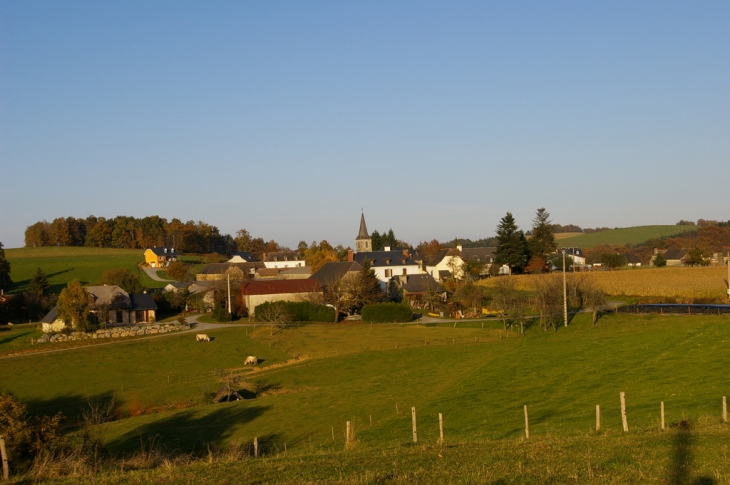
(386,313)
(298,311)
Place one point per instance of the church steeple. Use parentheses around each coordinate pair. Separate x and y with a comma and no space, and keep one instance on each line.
(363,243)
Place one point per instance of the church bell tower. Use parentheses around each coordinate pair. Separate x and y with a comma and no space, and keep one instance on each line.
(363,243)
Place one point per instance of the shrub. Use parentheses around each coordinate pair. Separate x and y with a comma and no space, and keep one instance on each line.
(220,314)
(294,311)
(386,313)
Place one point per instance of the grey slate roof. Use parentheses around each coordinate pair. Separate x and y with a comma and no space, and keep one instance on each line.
(419,283)
(142,302)
(442,254)
(51,316)
(163,251)
(674,254)
(110,296)
(333,271)
(363,233)
(282,256)
(385,258)
(484,254)
(578,252)
(245,255)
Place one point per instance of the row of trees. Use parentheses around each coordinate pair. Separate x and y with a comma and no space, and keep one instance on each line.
(139,233)
(521,254)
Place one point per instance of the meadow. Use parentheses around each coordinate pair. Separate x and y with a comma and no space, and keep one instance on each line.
(622,236)
(652,285)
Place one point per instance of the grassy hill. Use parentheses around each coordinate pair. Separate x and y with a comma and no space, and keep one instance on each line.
(621,236)
(63,264)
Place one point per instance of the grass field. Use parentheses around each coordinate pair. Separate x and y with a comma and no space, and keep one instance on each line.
(479,378)
(63,264)
(621,236)
(668,285)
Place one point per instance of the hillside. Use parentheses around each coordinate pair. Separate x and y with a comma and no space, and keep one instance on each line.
(65,263)
(621,236)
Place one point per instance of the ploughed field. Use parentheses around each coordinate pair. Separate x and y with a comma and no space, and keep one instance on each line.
(315,378)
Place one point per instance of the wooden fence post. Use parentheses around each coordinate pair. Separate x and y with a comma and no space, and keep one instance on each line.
(623,412)
(256,447)
(3,453)
(347,433)
(413,422)
(441,429)
(333,433)
(598,417)
(724,409)
(662,415)
(527,424)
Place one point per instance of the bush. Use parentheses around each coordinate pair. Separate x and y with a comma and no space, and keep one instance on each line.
(299,311)
(220,314)
(386,313)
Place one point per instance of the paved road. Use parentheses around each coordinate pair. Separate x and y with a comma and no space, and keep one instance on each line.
(152,273)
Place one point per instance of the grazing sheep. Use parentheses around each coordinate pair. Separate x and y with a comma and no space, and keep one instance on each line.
(202,337)
(251,360)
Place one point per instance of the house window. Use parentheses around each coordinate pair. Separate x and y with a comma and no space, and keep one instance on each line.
(120,317)
(139,316)
(388,273)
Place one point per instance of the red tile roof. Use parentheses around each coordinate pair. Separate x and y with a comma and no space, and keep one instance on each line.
(274,287)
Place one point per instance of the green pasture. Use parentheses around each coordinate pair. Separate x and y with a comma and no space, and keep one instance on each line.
(623,236)
(63,264)
(478,378)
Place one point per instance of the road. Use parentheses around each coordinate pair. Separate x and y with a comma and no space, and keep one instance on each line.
(152,273)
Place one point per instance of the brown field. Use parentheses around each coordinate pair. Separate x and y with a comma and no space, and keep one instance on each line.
(670,285)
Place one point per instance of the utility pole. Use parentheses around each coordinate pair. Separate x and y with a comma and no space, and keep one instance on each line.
(565,292)
(229,293)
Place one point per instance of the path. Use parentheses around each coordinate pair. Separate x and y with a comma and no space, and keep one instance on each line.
(152,273)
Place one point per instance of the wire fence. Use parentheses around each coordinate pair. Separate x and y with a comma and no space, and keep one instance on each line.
(675,309)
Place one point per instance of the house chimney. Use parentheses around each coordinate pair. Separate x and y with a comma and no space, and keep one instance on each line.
(406,253)
(350,256)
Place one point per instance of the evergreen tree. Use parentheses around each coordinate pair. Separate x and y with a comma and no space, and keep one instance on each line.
(39,285)
(511,245)
(368,289)
(37,301)
(542,243)
(5,280)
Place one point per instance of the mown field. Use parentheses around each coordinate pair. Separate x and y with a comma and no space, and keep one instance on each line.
(63,264)
(668,285)
(623,235)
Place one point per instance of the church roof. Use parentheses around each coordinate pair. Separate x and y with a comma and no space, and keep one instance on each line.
(363,234)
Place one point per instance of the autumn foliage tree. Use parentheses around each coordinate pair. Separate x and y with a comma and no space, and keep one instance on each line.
(73,306)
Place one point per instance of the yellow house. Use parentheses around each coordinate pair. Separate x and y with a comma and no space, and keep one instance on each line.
(159,257)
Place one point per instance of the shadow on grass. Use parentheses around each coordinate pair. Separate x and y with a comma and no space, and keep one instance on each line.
(190,430)
(71,405)
(682,459)
(10,338)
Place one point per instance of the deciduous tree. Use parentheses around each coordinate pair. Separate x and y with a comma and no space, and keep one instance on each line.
(73,306)
(124,279)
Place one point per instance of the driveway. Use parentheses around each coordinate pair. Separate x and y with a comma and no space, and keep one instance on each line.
(152,273)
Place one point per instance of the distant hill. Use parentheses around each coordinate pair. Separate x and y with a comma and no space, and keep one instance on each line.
(621,236)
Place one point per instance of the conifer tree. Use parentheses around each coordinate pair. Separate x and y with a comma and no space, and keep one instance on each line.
(5,280)
(511,245)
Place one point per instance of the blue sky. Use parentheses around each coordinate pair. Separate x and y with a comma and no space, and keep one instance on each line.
(287,118)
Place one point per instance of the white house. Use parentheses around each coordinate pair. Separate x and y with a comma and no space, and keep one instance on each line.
(389,263)
(283,259)
(446,263)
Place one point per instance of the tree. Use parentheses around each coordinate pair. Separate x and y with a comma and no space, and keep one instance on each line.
(696,257)
(659,261)
(124,279)
(542,243)
(5,280)
(317,255)
(179,271)
(73,306)
(593,296)
(474,268)
(511,245)
(37,301)
(549,292)
(613,260)
(536,265)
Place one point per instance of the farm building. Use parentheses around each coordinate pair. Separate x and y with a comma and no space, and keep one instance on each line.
(419,290)
(220,271)
(283,259)
(257,292)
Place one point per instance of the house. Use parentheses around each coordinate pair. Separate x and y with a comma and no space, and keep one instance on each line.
(256,292)
(283,259)
(446,264)
(205,290)
(297,273)
(419,290)
(389,262)
(632,260)
(333,272)
(160,257)
(675,257)
(242,257)
(176,286)
(109,304)
(484,255)
(577,254)
(220,271)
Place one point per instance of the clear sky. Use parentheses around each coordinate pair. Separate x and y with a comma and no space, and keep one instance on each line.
(287,118)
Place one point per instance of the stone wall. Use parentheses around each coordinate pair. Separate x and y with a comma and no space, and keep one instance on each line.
(116,332)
